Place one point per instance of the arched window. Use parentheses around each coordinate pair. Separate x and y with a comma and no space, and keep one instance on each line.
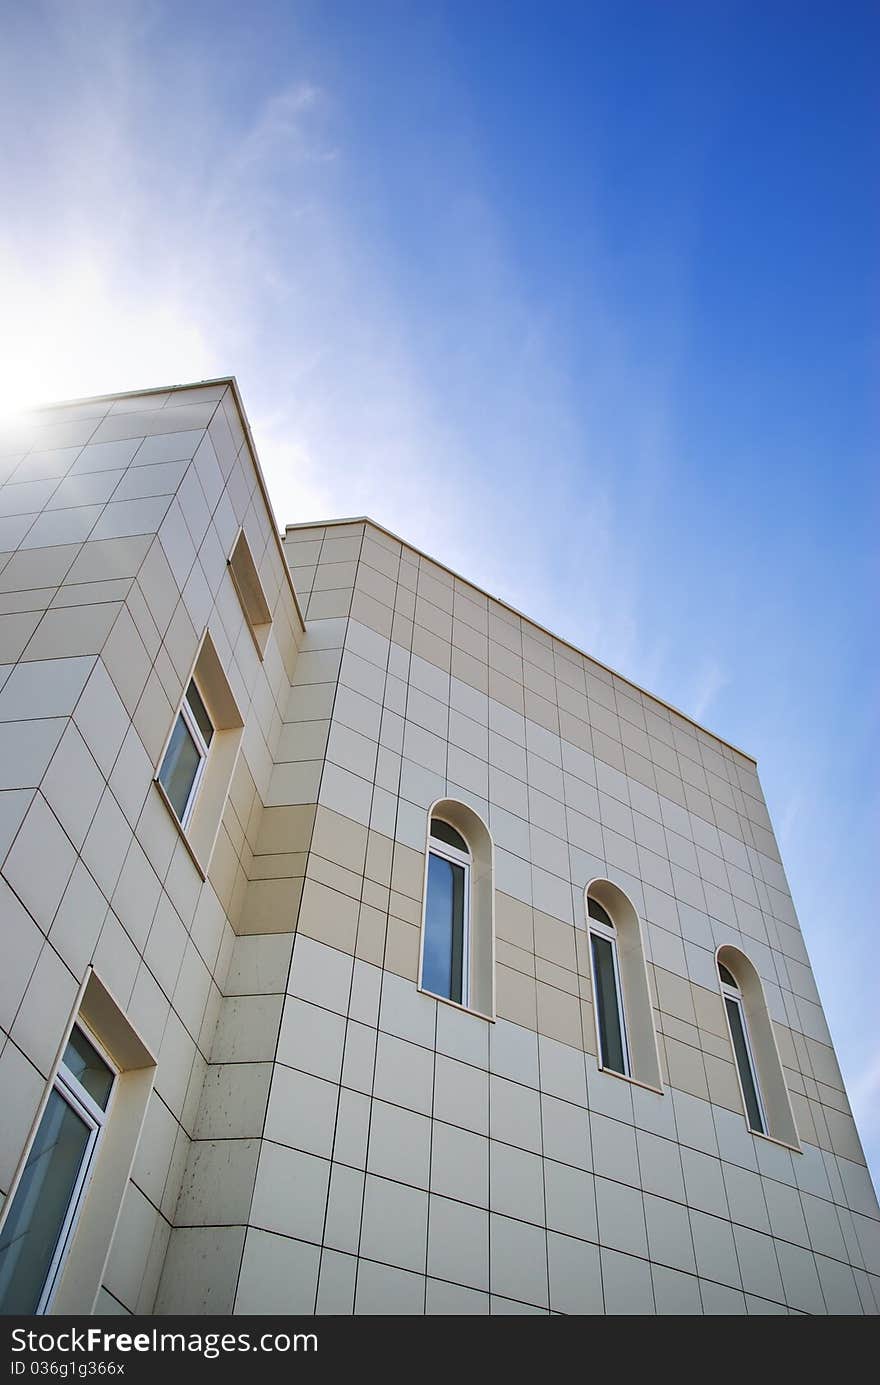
(613,1051)
(742,1050)
(766,1101)
(458,931)
(445,970)
(624,1015)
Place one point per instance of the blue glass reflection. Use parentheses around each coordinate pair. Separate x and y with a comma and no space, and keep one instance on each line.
(442,969)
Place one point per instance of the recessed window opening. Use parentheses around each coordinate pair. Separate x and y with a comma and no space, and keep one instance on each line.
(41,1221)
(246,581)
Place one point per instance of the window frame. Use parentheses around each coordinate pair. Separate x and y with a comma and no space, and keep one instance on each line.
(601,930)
(465,860)
(202,747)
(734,994)
(95,1117)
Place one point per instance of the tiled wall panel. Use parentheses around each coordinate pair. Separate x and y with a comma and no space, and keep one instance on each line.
(116,525)
(471,1167)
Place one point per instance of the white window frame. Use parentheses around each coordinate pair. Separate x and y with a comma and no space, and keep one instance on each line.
(95,1117)
(610,935)
(458,858)
(734,993)
(192,725)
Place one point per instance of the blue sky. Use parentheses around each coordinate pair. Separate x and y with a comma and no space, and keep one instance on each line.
(581,298)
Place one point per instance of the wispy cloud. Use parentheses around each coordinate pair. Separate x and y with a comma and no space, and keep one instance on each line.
(200,237)
(196,239)
(864,1094)
(791,815)
(711,679)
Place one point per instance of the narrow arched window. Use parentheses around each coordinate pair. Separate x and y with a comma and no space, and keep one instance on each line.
(458,915)
(765,1094)
(742,1049)
(610,1017)
(446,958)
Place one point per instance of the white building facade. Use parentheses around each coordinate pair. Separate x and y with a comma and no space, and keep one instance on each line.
(368,949)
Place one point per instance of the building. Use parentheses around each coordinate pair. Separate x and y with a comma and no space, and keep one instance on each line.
(231,762)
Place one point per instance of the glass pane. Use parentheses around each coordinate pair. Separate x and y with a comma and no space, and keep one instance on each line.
(444,833)
(744,1063)
(199,711)
(595,910)
(726,976)
(443,969)
(605,982)
(88,1067)
(180,766)
(36,1217)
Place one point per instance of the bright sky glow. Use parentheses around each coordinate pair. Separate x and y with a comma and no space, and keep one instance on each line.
(576,297)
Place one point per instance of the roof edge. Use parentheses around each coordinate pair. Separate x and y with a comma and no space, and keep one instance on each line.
(521,615)
(264,490)
(231,382)
(41,407)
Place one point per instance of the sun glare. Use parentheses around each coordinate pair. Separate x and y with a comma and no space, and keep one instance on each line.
(74,335)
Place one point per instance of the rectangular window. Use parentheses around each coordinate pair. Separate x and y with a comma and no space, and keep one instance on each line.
(743,1052)
(609,1007)
(41,1220)
(444,969)
(184,762)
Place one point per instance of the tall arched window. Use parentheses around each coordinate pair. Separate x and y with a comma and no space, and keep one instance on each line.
(445,964)
(613,1052)
(766,1101)
(624,1015)
(458,919)
(742,1050)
